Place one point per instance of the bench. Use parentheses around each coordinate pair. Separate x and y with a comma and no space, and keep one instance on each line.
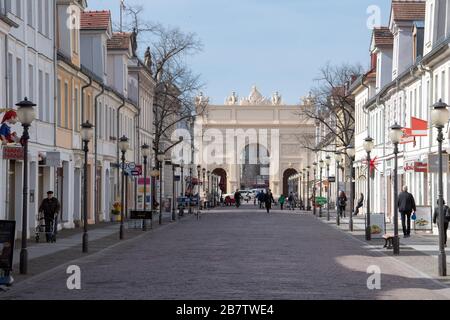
(388,241)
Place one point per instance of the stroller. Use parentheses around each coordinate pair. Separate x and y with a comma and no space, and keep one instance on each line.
(40,229)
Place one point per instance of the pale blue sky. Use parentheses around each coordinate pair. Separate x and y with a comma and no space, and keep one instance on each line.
(278,45)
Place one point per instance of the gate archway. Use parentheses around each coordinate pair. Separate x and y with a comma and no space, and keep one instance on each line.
(286,175)
(223,179)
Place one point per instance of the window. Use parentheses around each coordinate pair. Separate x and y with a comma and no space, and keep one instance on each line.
(31,82)
(30,12)
(443,97)
(99,122)
(19,8)
(10,80)
(436,88)
(47,97)
(40,17)
(8,7)
(41,95)
(66,105)
(47,19)
(76,111)
(59,103)
(19,96)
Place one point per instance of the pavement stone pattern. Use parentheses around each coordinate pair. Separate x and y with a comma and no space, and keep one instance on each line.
(236,254)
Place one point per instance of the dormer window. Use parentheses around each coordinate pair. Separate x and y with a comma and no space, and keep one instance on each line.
(74,33)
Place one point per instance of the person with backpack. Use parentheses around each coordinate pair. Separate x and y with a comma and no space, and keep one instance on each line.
(342,203)
(406,205)
(268,199)
(436,220)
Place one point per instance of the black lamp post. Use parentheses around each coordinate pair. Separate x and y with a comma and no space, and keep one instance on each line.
(154,174)
(338,158)
(321,165)
(308,208)
(174,195)
(395,135)
(314,188)
(160,157)
(327,162)
(203,187)
(368,147)
(145,153)
(208,188)
(191,167)
(439,118)
(86,131)
(182,177)
(124,145)
(26,115)
(198,193)
(351,155)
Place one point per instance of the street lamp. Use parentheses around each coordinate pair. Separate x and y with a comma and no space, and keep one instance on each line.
(314,188)
(208,188)
(87,131)
(154,174)
(351,155)
(182,177)
(328,162)
(305,200)
(368,147)
(308,208)
(26,115)
(124,145)
(439,117)
(160,157)
(338,158)
(174,167)
(321,165)
(145,153)
(198,188)
(191,167)
(395,134)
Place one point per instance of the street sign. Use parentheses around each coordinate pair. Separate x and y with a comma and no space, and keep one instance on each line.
(136,171)
(433,163)
(7,234)
(132,165)
(140,214)
(321,200)
(331,179)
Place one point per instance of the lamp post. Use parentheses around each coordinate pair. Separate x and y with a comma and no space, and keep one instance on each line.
(208,188)
(321,165)
(160,157)
(124,145)
(87,131)
(198,193)
(191,167)
(145,153)
(338,158)
(351,155)
(304,189)
(300,192)
(182,177)
(368,147)
(174,216)
(307,187)
(439,117)
(154,174)
(26,115)
(395,134)
(314,188)
(327,162)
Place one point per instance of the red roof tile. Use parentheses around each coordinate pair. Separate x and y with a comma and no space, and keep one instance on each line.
(95,20)
(383,36)
(408,10)
(120,41)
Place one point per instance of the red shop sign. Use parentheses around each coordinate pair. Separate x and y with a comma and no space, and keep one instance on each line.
(13,153)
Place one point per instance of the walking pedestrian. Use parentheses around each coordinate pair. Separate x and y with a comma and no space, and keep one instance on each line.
(237,198)
(342,203)
(359,204)
(436,219)
(406,205)
(281,201)
(50,208)
(291,201)
(268,199)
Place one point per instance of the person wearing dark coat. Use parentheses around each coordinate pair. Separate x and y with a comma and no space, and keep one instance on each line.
(237,198)
(268,199)
(342,202)
(406,205)
(359,204)
(50,207)
(436,219)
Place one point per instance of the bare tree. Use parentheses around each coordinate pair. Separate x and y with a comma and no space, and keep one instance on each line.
(332,107)
(167,51)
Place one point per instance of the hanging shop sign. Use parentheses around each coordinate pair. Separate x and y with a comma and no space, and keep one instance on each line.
(53,159)
(13,152)
(433,163)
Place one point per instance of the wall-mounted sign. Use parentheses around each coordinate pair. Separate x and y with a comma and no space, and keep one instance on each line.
(13,152)
(416,166)
(433,163)
(53,159)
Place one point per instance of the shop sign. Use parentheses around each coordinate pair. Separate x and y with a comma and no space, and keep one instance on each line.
(433,163)
(13,152)
(423,220)
(416,166)
(53,159)
(377,225)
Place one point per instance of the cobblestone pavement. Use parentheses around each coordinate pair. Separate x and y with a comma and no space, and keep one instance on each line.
(236,254)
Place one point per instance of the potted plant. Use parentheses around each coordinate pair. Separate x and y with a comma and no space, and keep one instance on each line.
(115,212)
